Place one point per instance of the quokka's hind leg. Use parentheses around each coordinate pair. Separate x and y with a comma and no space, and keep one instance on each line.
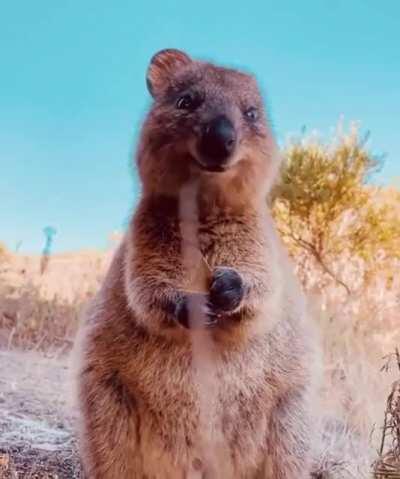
(290,440)
(109,435)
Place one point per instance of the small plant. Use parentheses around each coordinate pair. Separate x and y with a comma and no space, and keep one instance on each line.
(325,208)
(388,464)
(3,251)
(49,233)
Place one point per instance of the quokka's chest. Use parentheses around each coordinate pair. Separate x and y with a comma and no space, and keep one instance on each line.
(222,241)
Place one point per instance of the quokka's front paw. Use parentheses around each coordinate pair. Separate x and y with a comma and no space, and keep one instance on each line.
(193,312)
(226,290)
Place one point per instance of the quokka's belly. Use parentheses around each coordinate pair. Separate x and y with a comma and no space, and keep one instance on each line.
(231,446)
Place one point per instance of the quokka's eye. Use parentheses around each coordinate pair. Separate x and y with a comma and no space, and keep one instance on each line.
(185,102)
(188,102)
(251,114)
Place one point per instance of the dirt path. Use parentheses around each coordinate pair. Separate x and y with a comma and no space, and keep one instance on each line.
(36,418)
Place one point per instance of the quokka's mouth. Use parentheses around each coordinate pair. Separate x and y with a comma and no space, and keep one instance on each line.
(210,166)
(213,169)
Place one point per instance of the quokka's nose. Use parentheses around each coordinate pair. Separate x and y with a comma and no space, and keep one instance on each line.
(218,141)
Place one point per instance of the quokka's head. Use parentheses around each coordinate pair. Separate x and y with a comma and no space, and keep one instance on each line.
(205,119)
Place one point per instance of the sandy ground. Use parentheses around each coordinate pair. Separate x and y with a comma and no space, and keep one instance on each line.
(36,418)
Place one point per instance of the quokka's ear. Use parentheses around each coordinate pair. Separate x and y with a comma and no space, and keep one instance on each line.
(162,67)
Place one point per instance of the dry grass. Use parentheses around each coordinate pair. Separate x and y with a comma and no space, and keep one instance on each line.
(358,333)
(41,312)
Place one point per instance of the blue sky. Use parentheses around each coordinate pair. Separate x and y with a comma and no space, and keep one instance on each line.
(72,93)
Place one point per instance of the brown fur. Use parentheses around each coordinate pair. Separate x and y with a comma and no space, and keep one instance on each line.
(142,413)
